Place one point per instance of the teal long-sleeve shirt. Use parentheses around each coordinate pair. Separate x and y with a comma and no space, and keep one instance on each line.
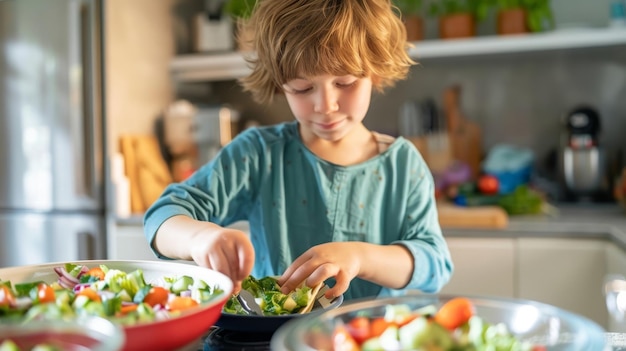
(293,200)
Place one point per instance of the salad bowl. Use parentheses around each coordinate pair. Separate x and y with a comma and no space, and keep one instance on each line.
(529,325)
(86,333)
(168,332)
(261,307)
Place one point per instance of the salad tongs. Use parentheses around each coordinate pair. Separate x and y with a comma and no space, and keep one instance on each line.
(249,304)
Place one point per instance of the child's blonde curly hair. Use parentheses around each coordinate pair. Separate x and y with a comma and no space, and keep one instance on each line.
(301,38)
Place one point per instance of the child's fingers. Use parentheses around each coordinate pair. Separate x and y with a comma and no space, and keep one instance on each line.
(245,255)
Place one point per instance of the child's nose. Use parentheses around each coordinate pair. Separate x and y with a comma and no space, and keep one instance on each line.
(327,102)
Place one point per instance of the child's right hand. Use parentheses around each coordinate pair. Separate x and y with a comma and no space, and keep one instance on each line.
(225,250)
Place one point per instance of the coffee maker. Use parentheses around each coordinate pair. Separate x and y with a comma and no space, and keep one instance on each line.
(582,156)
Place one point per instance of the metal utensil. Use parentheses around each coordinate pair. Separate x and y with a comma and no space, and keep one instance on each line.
(249,303)
(321,301)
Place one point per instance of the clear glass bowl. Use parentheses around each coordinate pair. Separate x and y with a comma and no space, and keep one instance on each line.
(531,321)
(91,333)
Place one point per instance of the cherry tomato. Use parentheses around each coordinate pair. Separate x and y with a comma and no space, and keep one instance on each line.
(45,293)
(378,326)
(359,328)
(488,184)
(156,296)
(96,272)
(455,313)
(90,293)
(6,296)
(128,308)
(343,341)
(180,303)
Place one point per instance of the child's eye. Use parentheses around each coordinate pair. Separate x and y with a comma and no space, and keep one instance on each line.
(346,85)
(301,91)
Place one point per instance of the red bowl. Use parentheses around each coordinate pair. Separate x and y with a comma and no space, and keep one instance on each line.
(163,335)
(87,333)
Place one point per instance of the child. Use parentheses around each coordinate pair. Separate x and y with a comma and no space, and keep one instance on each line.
(324,196)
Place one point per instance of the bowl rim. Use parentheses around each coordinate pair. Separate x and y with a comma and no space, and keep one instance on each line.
(218,300)
(291,330)
(108,335)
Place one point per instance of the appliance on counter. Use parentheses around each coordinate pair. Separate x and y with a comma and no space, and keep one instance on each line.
(52,204)
(193,134)
(582,156)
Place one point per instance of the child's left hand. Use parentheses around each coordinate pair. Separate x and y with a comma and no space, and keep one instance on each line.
(341,260)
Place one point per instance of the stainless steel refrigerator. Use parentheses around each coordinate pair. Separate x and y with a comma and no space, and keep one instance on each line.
(52,205)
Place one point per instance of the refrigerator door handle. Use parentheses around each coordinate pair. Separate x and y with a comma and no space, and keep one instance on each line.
(85,245)
(90,95)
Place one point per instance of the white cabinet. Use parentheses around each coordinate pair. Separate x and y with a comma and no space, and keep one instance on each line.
(567,273)
(616,264)
(564,272)
(128,242)
(482,266)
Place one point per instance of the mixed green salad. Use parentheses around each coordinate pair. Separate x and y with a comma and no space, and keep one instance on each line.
(273,302)
(123,297)
(453,327)
(9,345)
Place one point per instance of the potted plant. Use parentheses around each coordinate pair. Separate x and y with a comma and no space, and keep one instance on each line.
(522,16)
(457,18)
(240,10)
(411,14)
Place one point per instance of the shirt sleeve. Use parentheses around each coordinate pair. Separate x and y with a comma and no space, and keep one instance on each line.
(220,192)
(422,234)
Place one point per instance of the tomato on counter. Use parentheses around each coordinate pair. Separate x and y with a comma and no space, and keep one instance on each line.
(488,184)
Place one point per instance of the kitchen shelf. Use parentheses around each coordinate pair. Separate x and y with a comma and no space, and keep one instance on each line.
(232,65)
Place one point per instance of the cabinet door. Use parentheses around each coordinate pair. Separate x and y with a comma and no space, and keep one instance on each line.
(567,273)
(482,266)
(127,242)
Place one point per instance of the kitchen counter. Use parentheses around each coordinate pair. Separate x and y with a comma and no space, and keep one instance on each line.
(596,221)
(584,221)
(592,221)
(617,341)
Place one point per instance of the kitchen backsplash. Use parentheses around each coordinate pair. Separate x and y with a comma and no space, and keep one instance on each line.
(520,99)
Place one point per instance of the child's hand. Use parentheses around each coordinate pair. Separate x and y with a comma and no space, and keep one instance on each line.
(225,250)
(341,260)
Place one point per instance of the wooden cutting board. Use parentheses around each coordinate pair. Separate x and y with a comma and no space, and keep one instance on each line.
(479,217)
(465,135)
(146,170)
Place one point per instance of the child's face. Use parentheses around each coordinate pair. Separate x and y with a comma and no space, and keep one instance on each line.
(328,107)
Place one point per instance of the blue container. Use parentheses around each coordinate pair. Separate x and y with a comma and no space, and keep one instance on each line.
(511,165)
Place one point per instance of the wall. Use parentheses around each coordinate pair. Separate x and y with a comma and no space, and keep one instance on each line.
(519,98)
(140,37)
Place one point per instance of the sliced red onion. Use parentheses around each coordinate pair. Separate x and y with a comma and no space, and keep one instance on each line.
(83,270)
(79,287)
(66,280)
(186,293)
